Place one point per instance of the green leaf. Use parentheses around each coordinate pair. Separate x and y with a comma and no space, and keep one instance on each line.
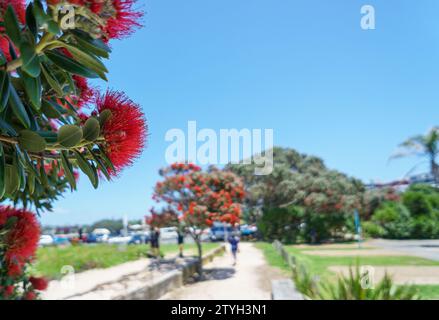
(95,181)
(107,161)
(53,27)
(31,61)
(99,163)
(19,162)
(70,65)
(31,141)
(2,172)
(85,167)
(87,60)
(31,166)
(39,13)
(69,135)
(11,179)
(71,107)
(43,175)
(4,89)
(68,169)
(31,183)
(18,107)
(7,128)
(32,86)
(50,137)
(12,26)
(50,110)
(52,82)
(31,22)
(91,129)
(96,46)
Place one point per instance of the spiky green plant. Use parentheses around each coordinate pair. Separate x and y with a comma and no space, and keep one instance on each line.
(351,287)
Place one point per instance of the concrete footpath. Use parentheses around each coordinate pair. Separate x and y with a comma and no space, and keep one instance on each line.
(250,279)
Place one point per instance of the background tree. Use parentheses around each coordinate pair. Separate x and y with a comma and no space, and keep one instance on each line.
(325,197)
(53,123)
(198,198)
(425,146)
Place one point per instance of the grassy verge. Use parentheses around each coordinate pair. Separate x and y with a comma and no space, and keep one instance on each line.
(50,260)
(318,265)
(428,292)
(273,258)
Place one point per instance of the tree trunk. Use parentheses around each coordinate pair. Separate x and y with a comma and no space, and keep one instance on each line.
(434,170)
(200,258)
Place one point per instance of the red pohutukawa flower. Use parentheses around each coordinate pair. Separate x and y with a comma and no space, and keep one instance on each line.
(20,9)
(119,17)
(124,20)
(18,5)
(125,131)
(39,284)
(85,91)
(21,239)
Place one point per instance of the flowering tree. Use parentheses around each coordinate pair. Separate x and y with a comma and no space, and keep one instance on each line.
(19,234)
(196,198)
(53,123)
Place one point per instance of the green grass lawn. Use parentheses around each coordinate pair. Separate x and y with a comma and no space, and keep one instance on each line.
(318,265)
(50,260)
(428,292)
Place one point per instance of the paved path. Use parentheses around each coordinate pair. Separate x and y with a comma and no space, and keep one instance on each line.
(428,249)
(250,279)
(86,281)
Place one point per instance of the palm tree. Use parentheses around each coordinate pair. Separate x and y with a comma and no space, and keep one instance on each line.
(425,146)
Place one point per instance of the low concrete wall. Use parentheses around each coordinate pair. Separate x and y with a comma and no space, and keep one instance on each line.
(155,289)
(171,280)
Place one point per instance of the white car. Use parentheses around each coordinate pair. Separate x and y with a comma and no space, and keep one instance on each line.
(119,240)
(45,240)
(168,233)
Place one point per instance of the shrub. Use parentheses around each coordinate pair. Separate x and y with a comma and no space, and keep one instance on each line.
(395,219)
(373,230)
(417,203)
(294,224)
(424,227)
(319,227)
(281,224)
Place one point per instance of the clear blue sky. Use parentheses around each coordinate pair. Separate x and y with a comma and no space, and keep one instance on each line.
(304,68)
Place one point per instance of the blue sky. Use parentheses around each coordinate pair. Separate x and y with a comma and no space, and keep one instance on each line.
(304,68)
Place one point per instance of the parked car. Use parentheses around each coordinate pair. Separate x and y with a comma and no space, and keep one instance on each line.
(218,232)
(248,231)
(45,240)
(139,239)
(61,240)
(119,240)
(100,235)
(168,233)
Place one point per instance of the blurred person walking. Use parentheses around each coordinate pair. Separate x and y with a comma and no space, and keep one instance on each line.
(234,247)
(155,242)
(180,239)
